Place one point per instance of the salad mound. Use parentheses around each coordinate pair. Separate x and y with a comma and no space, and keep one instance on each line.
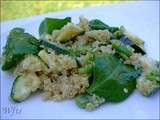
(91,62)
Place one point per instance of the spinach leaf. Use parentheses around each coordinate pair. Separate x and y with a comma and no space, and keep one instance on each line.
(113,80)
(50,24)
(97,25)
(18,44)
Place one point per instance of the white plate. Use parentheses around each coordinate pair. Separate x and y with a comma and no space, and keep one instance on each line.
(141,18)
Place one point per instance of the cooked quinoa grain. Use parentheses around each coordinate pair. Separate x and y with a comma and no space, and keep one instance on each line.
(63,81)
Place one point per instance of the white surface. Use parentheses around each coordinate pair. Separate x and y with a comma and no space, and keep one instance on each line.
(141,18)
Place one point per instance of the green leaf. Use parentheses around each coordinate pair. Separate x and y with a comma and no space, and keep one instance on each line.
(97,25)
(113,29)
(113,80)
(18,44)
(50,24)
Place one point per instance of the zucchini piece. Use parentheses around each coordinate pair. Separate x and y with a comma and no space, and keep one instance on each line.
(57,49)
(125,40)
(68,32)
(136,40)
(124,51)
(19,91)
(89,102)
(23,86)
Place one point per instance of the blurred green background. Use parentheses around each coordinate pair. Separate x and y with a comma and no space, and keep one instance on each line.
(18,9)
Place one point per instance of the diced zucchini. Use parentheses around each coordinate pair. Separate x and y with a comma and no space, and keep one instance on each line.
(87,69)
(23,86)
(89,102)
(68,32)
(124,51)
(137,49)
(57,49)
(136,40)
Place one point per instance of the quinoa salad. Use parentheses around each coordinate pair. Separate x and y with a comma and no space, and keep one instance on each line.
(90,62)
